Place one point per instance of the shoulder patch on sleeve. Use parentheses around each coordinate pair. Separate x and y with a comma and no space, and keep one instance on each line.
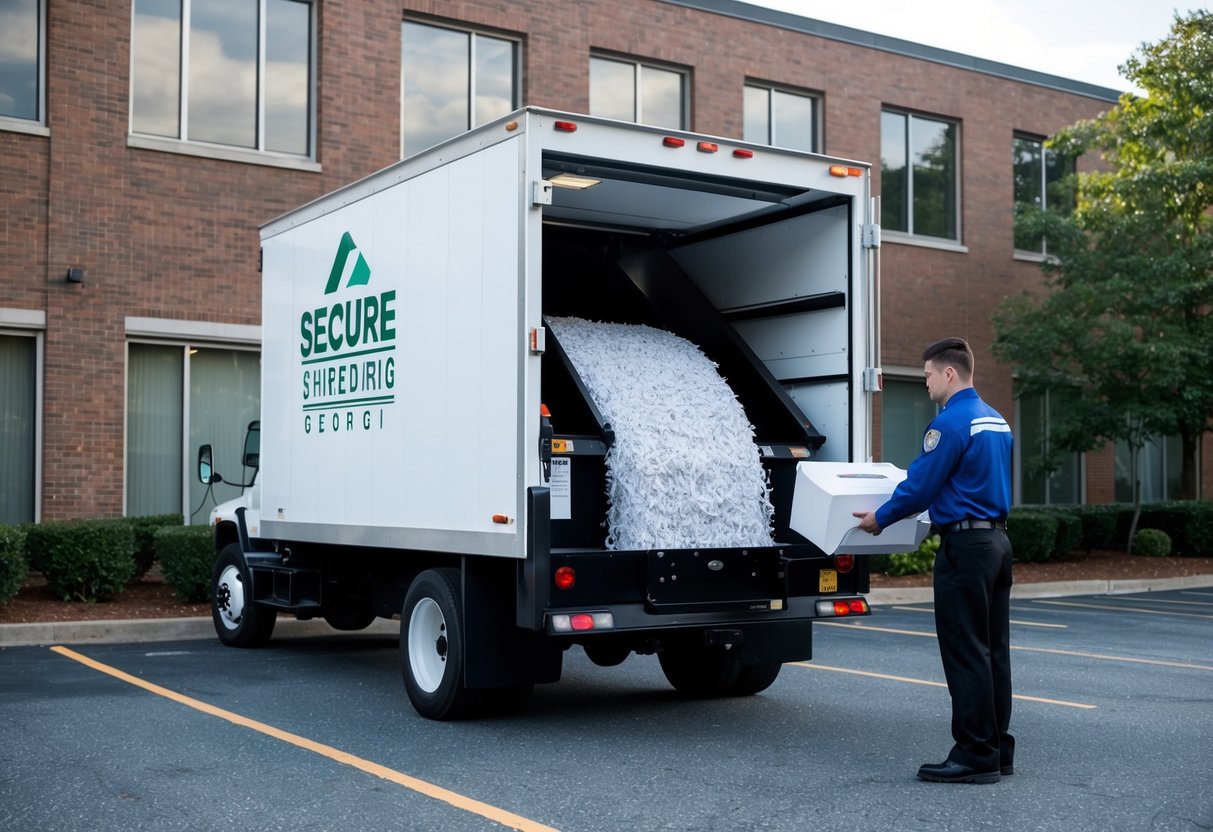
(930,441)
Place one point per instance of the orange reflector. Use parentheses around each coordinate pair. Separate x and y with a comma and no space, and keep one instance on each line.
(707,147)
(581,621)
(565,577)
(503,519)
(544,412)
(511,126)
(670,141)
(741,153)
(854,171)
(838,170)
(565,126)
(844,563)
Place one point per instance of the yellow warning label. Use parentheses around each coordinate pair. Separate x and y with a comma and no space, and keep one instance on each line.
(828,582)
(562,446)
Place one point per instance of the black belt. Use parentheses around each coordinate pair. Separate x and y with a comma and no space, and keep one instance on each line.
(965,525)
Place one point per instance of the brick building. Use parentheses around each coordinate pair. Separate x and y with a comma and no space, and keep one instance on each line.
(142,143)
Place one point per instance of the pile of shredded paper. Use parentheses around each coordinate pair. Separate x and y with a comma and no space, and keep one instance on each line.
(684,471)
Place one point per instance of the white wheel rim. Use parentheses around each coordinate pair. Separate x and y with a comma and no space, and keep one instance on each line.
(229,597)
(427,644)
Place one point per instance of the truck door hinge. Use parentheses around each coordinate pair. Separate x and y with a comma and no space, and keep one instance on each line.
(541,193)
(871,235)
(873,380)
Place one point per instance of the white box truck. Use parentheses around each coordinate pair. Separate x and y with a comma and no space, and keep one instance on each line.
(428,450)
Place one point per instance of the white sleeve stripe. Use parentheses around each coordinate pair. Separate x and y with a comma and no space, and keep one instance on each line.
(1001,427)
(989,420)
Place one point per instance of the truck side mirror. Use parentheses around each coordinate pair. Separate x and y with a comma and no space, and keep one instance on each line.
(252,445)
(206,470)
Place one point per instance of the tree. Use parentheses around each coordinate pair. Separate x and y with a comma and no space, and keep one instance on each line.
(1125,320)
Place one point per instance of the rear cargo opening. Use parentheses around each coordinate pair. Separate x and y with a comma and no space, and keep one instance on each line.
(758,278)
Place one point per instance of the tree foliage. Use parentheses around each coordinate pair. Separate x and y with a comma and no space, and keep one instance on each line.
(1125,320)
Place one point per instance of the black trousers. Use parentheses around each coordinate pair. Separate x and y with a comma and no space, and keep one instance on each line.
(972,620)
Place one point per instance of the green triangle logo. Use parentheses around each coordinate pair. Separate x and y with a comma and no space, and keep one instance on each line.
(361,274)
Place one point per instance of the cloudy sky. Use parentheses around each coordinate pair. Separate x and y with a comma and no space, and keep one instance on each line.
(1085,40)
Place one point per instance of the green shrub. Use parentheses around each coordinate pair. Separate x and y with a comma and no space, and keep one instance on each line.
(1152,543)
(144,529)
(187,557)
(1189,523)
(84,560)
(1098,525)
(13,567)
(1033,535)
(918,562)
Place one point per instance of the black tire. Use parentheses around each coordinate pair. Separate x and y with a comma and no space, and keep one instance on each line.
(238,621)
(348,614)
(432,646)
(607,655)
(755,678)
(701,671)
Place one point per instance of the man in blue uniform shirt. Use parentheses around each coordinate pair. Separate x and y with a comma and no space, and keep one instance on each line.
(964,477)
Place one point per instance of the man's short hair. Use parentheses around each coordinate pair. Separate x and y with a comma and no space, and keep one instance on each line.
(953,352)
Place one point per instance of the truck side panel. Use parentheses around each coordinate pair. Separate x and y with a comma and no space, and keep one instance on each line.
(398,361)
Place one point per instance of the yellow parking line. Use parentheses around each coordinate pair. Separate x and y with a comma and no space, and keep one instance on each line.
(467,804)
(1021,648)
(929,683)
(1120,608)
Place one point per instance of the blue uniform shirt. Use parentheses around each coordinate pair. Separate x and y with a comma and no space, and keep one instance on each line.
(964,471)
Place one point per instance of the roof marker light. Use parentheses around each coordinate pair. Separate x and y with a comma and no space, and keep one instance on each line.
(566,126)
(671,141)
(838,170)
(742,153)
(707,147)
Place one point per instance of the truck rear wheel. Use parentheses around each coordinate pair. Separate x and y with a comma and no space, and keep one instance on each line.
(238,621)
(703,671)
(432,646)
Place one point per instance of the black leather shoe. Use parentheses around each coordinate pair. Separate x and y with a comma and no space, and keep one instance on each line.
(953,772)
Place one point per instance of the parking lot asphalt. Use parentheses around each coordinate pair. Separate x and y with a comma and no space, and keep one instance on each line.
(184,629)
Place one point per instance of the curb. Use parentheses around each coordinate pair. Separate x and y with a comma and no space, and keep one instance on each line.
(187,629)
(1056,589)
(164,629)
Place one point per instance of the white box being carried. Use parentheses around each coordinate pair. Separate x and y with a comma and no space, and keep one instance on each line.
(827,495)
(437,444)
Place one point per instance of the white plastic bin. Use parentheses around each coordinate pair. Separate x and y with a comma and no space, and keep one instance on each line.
(827,494)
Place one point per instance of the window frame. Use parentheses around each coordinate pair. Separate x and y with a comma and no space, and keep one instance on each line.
(37,125)
(910,236)
(472,32)
(183,144)
(1019,477)
(684,87)
(817,98)
(901,376)
(21,323)
(1018,136)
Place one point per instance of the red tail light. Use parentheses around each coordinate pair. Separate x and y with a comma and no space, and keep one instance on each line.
(565,577)
(844,563)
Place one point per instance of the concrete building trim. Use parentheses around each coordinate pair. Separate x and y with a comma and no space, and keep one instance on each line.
(22,318)
(21,125)
(201,331)
(885,43)
(225,154)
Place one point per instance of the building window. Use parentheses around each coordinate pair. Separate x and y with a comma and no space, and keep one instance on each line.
(780,117)
(220,72)
(452,81)
(1039,183)
(918,175)
(1159,469)
(1036,486)
(906,410)
(180,397)
(631,91)
(21,70)
(18,427)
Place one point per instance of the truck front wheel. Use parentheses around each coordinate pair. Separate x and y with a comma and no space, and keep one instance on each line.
(432,646)
(238,621)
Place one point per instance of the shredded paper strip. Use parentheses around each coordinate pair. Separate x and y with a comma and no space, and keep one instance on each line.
(684,471)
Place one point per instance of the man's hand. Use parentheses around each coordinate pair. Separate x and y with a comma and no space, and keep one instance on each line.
(867,521)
